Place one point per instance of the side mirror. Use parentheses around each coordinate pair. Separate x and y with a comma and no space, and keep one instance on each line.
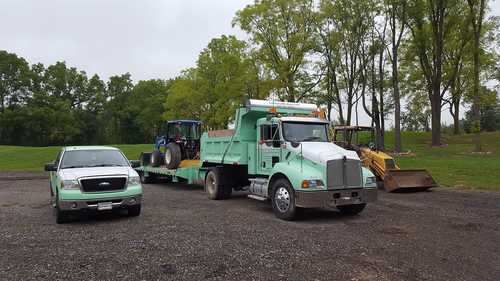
(135,163)
(50,167)
(295,144)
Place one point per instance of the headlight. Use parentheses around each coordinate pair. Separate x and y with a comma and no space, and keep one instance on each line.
(371,181)
(312,184)
(134,180)
(70,184)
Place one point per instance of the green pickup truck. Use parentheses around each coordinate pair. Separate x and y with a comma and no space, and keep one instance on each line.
(279,152)
(93,178)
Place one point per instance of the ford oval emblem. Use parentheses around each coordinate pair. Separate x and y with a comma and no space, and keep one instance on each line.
(104,184)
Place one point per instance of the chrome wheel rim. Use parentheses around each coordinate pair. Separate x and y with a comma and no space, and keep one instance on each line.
(168,156)
(282,199)
(211,183)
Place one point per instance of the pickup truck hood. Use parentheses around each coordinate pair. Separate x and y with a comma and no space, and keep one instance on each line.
(321,152)
(74,174)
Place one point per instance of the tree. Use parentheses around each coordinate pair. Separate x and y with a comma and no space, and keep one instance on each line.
(14,84)
(476,17)
(282,32)
(225,75)
(147,105)
(397,13)
(119,89)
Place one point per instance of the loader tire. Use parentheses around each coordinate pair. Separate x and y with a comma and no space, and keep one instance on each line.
(155,160)
(215,190)
(173,156)
(351,210)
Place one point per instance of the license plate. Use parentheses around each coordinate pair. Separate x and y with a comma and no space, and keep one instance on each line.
(101,206)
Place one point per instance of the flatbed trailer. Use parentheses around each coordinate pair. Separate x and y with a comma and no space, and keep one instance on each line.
(189,171)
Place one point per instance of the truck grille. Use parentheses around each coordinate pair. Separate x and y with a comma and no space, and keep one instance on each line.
(103,184)
(343,173)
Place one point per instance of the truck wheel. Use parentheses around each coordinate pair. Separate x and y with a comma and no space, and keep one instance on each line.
(214,189)
(61,216)
(144,179)
(134,211)
(173,156)
(283,200)
(155,160)
(351,209)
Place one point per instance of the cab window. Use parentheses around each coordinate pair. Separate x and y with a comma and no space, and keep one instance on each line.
(270,135)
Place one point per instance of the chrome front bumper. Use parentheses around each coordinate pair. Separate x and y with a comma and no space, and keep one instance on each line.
(120,202)
(334,198)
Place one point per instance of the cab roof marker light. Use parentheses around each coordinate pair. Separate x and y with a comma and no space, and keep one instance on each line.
(281,104)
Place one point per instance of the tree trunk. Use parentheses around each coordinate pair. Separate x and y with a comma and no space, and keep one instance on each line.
(475,106)
(436,121)
(477,14)
(395,84)
(380,109)
(397,102)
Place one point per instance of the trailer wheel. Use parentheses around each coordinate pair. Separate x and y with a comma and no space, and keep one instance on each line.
(351,209)
(283,200)
(145,158)
(173,155)
(155,160)
(214,188)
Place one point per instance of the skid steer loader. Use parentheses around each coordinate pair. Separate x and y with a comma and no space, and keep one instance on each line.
(360,139)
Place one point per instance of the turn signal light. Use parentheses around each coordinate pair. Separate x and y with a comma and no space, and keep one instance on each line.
(305,184)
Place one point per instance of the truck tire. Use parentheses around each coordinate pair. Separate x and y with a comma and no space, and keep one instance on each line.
(215,190)
(145,179)
(134,211)
(61,216)
(351,209)
(173,156)
(155,160)
(283,200)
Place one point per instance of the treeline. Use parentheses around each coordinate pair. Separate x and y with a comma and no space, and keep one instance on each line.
(408,61)
(401,60)
(57,105)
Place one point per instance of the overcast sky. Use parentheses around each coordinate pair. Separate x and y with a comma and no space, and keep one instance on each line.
(148,38)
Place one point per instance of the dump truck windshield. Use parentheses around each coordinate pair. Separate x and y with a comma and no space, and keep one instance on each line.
(305,131)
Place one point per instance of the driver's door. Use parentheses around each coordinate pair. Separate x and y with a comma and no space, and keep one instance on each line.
(269,148)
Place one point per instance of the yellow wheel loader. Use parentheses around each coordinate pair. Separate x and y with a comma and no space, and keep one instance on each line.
(360,139)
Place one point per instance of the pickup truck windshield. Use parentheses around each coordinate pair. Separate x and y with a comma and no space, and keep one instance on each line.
(305,131)
(92,158)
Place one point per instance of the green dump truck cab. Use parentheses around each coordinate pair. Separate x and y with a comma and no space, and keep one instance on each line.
(281,152)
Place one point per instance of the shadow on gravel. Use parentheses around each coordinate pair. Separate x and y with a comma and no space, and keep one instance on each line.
(94,217)
(319,215)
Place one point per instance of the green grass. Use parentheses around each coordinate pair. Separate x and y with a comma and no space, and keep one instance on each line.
(450,165)
(25,158)
(453,164)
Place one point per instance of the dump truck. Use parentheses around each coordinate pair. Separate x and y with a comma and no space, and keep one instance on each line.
(391,176)
(279,152)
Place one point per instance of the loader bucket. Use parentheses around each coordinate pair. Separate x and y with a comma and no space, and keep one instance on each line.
(408,180)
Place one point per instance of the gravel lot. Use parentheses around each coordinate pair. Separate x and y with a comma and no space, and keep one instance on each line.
(181,235)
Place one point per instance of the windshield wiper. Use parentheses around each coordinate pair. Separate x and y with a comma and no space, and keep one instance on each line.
(73,167)
(311,138)
(106,165)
